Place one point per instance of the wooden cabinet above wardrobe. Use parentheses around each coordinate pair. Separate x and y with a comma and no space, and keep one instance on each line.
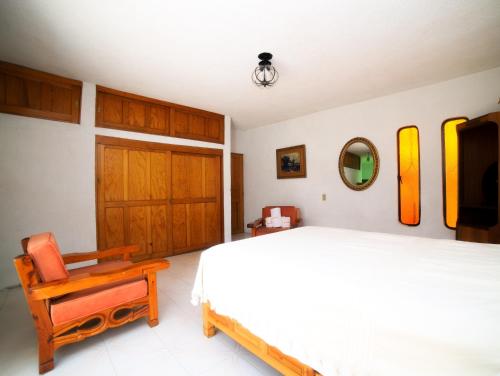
(28,92)
(120,110)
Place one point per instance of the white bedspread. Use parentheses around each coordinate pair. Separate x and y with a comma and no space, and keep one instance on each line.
(352,303)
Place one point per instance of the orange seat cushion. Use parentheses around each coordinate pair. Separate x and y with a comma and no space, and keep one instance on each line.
(88,302)
(103,267)
(45,253)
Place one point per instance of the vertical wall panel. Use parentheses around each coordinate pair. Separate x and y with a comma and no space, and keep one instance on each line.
(409,175)
(450,170)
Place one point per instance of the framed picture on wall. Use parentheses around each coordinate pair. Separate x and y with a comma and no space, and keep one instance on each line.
(291,162)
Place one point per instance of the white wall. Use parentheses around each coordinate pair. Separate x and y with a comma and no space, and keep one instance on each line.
(324,134)
(47,180)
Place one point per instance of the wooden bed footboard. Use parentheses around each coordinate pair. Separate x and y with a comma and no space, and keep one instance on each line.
(285,364)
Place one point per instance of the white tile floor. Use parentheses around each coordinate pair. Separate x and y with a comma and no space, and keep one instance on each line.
(176,347)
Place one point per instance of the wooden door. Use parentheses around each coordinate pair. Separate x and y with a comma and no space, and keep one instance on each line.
(133,191)
(196,201)
(237,203)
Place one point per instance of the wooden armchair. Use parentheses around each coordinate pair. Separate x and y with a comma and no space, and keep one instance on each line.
(70,305)
(259,226)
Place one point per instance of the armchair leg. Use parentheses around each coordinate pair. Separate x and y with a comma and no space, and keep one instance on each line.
(153,300)
(45,354)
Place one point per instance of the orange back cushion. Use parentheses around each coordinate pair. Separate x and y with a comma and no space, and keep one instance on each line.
(286,211)
(44,251)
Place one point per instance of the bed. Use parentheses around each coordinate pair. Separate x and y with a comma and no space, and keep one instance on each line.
(327,301)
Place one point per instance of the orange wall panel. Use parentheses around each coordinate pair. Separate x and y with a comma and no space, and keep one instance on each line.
(450,170)
(409,175)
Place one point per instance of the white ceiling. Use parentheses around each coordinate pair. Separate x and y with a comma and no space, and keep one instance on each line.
(202,53)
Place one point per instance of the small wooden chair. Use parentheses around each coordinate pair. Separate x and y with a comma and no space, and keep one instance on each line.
(70,305)
(259,226)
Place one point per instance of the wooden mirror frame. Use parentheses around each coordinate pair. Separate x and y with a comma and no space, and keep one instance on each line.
(376,165)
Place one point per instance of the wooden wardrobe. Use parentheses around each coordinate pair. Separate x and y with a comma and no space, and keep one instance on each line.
(165,198)
(478,173)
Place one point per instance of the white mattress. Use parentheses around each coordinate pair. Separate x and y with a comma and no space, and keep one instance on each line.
(354,303)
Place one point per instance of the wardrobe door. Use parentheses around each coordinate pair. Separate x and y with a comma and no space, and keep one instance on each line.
(133,199)
(196,201)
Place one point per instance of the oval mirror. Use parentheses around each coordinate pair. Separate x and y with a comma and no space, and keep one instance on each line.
(358,163)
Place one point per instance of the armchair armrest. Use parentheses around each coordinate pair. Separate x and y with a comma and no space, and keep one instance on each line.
(125,252)
(84,281)
(257,223)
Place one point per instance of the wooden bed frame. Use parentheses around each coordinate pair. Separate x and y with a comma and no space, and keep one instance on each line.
(285,364)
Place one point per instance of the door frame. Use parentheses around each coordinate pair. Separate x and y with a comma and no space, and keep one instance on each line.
(154,146)
(242,189)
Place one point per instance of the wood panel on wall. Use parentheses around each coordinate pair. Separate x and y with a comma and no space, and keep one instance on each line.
(237,202)
(28,92)
(164,198)
(120,110)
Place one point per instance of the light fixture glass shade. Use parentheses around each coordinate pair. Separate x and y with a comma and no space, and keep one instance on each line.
(265,74)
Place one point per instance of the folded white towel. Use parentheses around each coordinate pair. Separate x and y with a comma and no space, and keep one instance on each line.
(276,221)
(285,222)
(269,222)
(276,212)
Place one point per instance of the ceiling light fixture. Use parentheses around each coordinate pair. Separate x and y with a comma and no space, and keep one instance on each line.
(265,74)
